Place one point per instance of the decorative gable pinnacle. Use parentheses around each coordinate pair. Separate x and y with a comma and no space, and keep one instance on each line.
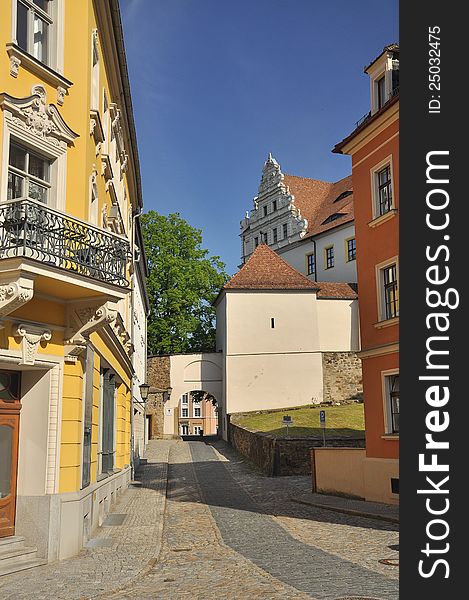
(272,176)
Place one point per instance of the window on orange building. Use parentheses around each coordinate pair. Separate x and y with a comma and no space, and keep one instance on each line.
(392,391)
(391,291)
(384,186)
(381,91)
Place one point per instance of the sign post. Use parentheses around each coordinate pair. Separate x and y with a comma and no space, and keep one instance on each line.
(322,421)
(287,422)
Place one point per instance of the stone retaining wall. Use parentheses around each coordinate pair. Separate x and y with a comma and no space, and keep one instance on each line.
(281,456)
(342,376)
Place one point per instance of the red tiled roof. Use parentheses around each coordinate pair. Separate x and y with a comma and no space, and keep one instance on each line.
(336,290)
(317,201)
(265,270)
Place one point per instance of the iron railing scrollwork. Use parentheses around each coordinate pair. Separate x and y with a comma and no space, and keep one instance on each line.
(33,230)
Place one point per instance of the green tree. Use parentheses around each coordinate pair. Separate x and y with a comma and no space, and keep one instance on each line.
(182,284)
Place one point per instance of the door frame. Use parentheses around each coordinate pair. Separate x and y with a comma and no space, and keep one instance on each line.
(10,417)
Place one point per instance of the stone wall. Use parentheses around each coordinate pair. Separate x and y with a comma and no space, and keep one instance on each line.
(281,456)
(159,371)
(158,374)
(342,376)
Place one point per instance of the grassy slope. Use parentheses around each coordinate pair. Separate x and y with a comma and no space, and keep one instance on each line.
(341,421)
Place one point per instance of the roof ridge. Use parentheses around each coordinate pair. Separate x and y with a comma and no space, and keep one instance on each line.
(265,269)
(310,178)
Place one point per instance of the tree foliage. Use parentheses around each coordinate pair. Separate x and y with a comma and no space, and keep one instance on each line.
(183,281)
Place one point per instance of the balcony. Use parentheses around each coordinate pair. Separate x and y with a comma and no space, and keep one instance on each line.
(62,244)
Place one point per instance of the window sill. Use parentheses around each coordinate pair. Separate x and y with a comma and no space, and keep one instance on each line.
(387,323)
(20,57)
(383,218)
(390,437)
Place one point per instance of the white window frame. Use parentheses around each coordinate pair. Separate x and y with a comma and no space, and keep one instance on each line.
(375,186)
(56,154)
(196,406)
(387,400)
(184,408)
(196,429)
(56,37)
(27,176)
(381,300)
(184,426)
(383,67)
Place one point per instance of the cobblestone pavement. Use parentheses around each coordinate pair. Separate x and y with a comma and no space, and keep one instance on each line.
(359,540)
(134,544)
(228,533)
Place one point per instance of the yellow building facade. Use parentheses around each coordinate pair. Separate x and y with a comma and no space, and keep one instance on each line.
(70,195)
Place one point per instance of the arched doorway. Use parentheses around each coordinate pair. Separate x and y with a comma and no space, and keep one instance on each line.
(197,414)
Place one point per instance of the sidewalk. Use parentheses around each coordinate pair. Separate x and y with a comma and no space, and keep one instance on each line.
(126,546)
(350,506)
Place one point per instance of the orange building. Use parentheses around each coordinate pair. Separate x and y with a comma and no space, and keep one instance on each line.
(374,148)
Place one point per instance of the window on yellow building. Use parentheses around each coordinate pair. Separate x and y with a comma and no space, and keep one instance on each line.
(33,24)
(28,175)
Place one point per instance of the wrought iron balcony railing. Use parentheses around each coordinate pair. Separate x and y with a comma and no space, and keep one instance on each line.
(32,230)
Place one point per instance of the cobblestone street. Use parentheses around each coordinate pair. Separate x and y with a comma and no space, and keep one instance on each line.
(206,525)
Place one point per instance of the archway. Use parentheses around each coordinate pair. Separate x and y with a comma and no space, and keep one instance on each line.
(197,415)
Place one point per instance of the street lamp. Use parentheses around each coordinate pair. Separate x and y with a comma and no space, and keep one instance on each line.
(144,390)
(167,394)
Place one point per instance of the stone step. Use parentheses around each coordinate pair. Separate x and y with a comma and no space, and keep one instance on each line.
(21,566)
(11,542)
(8,557)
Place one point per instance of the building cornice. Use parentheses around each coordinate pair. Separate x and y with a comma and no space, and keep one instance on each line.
(112,42)
(370,128)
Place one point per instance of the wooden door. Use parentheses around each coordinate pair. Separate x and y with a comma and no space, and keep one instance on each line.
(9,429)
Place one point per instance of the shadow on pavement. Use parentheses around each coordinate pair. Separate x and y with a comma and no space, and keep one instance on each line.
(234,483)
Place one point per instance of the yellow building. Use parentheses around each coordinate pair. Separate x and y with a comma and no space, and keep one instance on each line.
(70,195)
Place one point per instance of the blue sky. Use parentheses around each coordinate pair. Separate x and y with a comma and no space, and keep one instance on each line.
(217,85)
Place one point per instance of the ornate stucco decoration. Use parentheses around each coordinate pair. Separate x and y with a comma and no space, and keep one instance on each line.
(83,318)
(61,93)
(116,126)
(32,336)
(32,115)
(121,333)
(96,129)
(14,293)
(273,188)
(14,66)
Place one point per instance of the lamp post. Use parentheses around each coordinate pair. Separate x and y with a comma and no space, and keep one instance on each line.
(144,391)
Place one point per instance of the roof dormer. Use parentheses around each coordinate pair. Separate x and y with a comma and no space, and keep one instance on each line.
(384,77)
